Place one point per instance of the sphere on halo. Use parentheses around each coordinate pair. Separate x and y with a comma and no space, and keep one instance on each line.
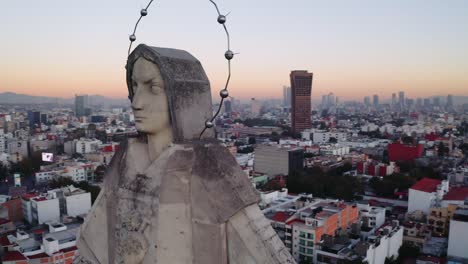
(224,93)
(229,55)
(209,124)
(132,37)
(144,12)
(221,19)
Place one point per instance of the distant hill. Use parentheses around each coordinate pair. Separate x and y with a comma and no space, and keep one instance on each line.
(14,98)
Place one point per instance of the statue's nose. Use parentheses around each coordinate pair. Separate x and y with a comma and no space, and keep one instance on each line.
(137,103)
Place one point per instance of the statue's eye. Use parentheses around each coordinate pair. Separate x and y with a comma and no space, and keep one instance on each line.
(156,88)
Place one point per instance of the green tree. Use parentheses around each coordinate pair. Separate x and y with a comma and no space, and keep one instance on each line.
(407,140)
(391,260)
(100,171)
(274,136)
(238,143)
(442,150)
(245,150)
(407,250)
(325,184)
(464,148)
(391,183)
(4,172)
(61,182)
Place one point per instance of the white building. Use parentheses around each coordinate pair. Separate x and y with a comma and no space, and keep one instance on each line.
(50,207)
(278,196)
(77,202)
(57,246)
(85,145)
(45,210)
(385,245)
(334,150)
(373,250)
(18,149)
(320,136)
(77,171)
(425,194)
(2,141)
(324,137)
(374,215)
(277,160)
(56,241)
(26,205)
(362,143)
(457,246)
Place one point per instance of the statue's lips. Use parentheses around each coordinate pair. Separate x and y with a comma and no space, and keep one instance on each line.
(139,118)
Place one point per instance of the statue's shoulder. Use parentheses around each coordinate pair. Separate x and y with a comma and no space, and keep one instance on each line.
(218,182)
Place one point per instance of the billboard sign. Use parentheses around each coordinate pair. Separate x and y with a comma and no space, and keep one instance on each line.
(47,157)
(17,177)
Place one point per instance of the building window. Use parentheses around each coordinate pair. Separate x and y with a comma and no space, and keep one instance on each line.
(302,249)
(302,242)
(302,234)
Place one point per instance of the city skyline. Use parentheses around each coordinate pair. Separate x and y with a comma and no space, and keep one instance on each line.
(353,50)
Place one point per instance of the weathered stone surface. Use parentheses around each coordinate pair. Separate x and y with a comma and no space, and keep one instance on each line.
(186,202)
(187,89)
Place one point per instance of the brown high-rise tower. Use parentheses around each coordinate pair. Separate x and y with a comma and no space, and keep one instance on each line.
(301,89)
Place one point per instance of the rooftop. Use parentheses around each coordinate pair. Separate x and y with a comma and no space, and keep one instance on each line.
(426,185)
(13,256)
(40,199)
(4,221)
(281,216)
(28,196)
(457,194)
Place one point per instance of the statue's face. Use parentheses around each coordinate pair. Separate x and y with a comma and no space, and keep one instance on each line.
(149,102)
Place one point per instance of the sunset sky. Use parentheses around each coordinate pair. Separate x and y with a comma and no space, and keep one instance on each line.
(353,47)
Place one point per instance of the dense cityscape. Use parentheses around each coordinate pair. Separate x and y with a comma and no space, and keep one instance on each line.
(376,181)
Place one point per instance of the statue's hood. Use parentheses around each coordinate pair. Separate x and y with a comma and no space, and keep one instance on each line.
(187,89)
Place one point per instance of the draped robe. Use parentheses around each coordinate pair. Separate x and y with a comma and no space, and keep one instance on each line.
(193,204)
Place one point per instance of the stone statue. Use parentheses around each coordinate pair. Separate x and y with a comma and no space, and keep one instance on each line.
(170,197)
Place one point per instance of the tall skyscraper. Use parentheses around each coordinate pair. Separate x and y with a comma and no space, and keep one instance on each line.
(401,98)
(436,101)
(227,107)
(324,100)
(81,103)
(367,101)
(376,100)
(419,102)
(301,89)
(427,102)
(449,101)
(255,107)
(394,100)
(331,99)
(34,118)
(286,96)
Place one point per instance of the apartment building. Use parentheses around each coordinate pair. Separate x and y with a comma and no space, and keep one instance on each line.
(55,245)
(302,223)
(51,206)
